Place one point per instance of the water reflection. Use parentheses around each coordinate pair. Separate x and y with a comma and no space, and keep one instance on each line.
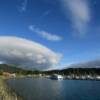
(47,89)
(35,89)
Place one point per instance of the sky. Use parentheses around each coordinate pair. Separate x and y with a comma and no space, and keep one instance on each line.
(52,33)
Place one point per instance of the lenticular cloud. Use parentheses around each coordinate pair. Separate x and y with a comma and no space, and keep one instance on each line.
(26,53)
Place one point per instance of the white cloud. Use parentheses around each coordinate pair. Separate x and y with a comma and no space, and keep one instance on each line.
(44,34)
(23,6)
(29,54)
(80,14)
(46,13)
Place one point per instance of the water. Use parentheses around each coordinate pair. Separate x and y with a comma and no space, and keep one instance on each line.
(47,89)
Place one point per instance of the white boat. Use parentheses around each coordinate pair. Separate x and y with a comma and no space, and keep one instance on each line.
(56,77)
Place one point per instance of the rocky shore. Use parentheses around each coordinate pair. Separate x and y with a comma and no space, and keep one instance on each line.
(6,93)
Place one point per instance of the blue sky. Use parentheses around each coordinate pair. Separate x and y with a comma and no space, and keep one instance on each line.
(68,27)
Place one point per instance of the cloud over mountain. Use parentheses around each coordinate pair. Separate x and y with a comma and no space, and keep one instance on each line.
(28,54)
(88,64)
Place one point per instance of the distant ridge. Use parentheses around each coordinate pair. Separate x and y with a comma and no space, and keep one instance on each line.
(10,68)
(88,64)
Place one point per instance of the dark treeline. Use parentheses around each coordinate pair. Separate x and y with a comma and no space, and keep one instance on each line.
(69,71)
(76,71)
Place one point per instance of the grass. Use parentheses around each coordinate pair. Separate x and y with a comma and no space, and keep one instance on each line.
(6,93)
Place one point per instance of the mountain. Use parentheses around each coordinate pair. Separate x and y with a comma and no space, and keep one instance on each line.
(89,64)
(10,68)
(86,68)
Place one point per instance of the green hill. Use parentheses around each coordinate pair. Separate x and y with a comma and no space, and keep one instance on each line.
(10,68)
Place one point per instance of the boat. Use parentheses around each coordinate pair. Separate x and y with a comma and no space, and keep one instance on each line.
(56,77)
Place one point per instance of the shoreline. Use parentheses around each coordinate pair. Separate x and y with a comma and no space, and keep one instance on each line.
(6,93)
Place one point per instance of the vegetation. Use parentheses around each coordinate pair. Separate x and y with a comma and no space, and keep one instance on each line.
(6,93)
(11,71)
(75,71)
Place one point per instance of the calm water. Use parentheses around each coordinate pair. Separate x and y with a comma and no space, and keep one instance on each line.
(46,89)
